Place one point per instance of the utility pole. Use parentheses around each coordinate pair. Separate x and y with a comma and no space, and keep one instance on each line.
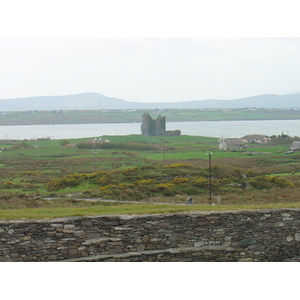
(163,151)
(209,168)
(95,151)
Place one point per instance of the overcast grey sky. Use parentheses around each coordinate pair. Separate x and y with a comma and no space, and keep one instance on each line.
(147,69)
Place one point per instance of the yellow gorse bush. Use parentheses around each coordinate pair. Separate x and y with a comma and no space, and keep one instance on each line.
(180,180)
(180,165)
(164,186)
(261,182)
(54,184)
(200,182)
(107,187)
(280,181)
(103,180)
(115,187)
(67,181)
(129,170)
(145,182)
(9,185)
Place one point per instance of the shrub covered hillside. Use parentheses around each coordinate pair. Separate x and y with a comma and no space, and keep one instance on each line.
(168,180)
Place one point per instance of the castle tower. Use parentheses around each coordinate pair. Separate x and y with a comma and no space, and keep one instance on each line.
(155,127)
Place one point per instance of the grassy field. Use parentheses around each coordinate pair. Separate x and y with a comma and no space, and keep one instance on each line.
(122,209)
(143,169)
(115,116)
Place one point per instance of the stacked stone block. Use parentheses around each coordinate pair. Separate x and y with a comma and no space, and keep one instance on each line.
(253,235)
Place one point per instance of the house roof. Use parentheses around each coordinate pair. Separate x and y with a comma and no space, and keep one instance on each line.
(253,136)
(233,141)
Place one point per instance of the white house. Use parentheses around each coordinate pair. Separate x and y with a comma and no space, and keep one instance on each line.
(231,144)
(99,140)
(255,138)
(295,145)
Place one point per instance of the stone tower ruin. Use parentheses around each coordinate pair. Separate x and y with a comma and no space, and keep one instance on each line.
(151,127)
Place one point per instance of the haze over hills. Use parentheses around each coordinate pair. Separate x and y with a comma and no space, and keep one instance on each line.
(90,101)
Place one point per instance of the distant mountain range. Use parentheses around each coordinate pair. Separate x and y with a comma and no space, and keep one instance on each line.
(89,101)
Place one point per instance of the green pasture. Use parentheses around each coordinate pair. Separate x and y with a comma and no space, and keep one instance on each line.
(27,167)
(269,148)
(169,148)
(52,150)
(284,174)
(160,139)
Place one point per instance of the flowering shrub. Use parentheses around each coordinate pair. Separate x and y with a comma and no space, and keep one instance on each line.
(129,153)
(216,183)
(161,187)
(266,182)
(180,180)
(9,185)
(103,180)
(67,181)
(114,152)
(54,184)
(145,182)
(108,187)
(200,182)
(129,171)
(280,182)
(95,174)
(152,180)
(125,186)
(180,165)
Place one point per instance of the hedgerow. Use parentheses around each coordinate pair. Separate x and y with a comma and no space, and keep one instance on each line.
(136,146)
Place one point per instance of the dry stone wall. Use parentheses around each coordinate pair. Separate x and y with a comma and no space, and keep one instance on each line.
(254,235)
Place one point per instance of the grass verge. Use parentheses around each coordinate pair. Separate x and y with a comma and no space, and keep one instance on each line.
(130,209)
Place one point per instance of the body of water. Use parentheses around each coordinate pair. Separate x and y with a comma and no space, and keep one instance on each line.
(227,129)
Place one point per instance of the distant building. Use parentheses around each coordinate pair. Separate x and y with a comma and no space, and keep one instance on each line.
(231,144)
(295,146)
(151,127)
(96,141)
(255,138)
(70,146)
